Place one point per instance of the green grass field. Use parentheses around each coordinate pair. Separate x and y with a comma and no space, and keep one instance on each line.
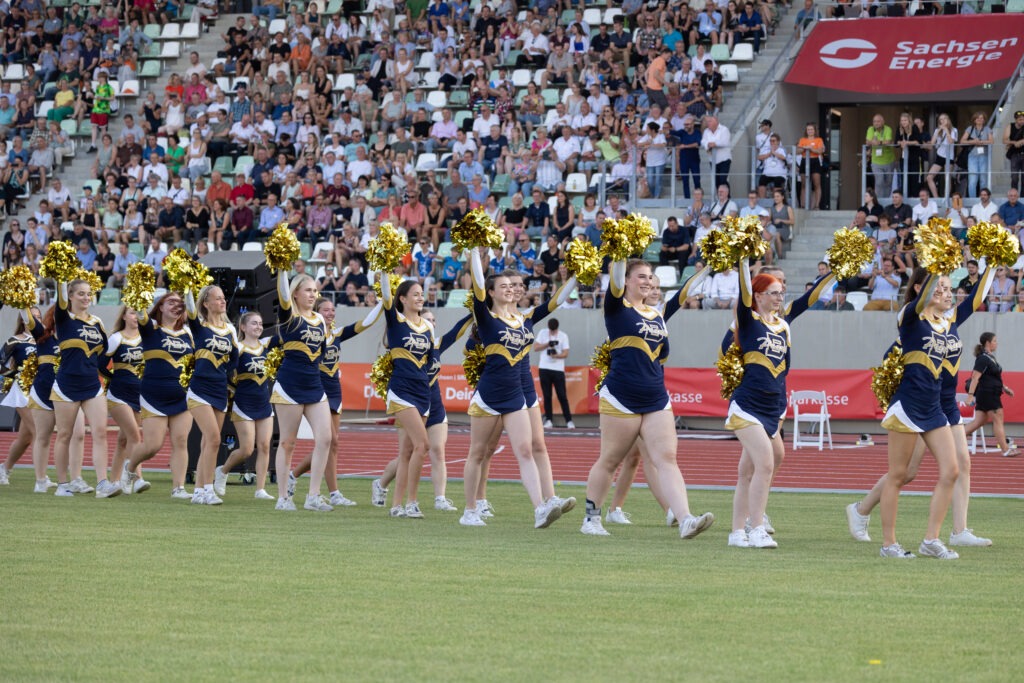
(146,588)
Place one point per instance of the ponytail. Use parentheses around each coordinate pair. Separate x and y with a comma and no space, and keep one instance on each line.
(986,337)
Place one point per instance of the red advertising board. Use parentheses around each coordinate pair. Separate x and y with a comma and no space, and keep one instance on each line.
(910,55)
(694,392)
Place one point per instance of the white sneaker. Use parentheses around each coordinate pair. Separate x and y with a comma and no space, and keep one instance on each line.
(127,481)
(546,514)
(896,551)
(179,493)
(617,516)
(548,425)
(285,504)
(570,425)
(759,538)
(80,486)
(397,511)
(592,527)
(471,518)
(767,524)
(857,522)
(738,539)
(378,494)
(105,489)
(291,485)
(694,526)
(412,510)
(444,504)
(198,496)
(4,480)
(41,486)
(484,509)
(261,494)
(338,499)
(566,504)
(50,484)
(64,491)
(316,503)
(670,518)
(967,537)
(220,482)
(141,485)
(937,549)
(212,498)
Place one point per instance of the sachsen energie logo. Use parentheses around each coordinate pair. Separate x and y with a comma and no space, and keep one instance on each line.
(866,53)
(911,55)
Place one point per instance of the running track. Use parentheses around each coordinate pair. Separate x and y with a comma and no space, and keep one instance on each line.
(705,462)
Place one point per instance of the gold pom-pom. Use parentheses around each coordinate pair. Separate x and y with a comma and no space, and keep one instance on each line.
(273,362)
(60,263)
(993,242)
(641,232)
(744,237)
(468,302)
(380,373)
(281,249)
(729,367)
(139,285)
(715,252)
(386,250)
(849,252)
(886,377)
(473,364)
(476,229)
(626,237)
(184,274)
(140,369)
(27,373)
(937,250)
(583,261)
(188,365)
(393,279)
(18,287)
(8,383)
(56,364)
(601,360)
(90,278)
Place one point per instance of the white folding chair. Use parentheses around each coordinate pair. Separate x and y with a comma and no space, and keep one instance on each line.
(819,417)
(967,412)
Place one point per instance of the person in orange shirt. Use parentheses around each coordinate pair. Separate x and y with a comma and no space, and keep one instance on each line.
(811,152)
(656,78)
(218,189)
(301,55)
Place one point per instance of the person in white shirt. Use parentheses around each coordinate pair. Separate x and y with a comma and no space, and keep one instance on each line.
(717,142)
(653,144)
(535,48)
(925,209)
(597,100)
(986,208)
(553,346)
(724,205)
(567,149)
(331,165)
(724,290)
(483,122)
(156,167)
(556,118)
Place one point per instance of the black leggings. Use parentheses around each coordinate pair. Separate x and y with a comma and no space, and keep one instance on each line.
(549,378)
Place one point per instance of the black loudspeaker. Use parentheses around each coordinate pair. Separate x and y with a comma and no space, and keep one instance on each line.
(240,273)
(228,443)
(266,305)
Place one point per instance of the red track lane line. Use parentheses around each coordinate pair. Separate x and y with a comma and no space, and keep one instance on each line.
(711,462)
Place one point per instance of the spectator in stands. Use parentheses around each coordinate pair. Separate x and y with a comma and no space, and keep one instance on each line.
(839,302)
(535,48)
(655,151)
(724,290)
(750,26)
(1013,140)
(717,142)
(1012,211)
(924,210)
(775,167)
(985,209)
(898,212)
(806,17)
(885,287)
(675,243)
(1002,294)
(879,139)
(943,141)
(707,26)
(41,161)
(355,276)
(972,277)
(978,141)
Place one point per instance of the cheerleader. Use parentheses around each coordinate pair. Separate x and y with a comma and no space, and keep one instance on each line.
(499,400)
(298,391)
(330,377)
(124,349)
(48,355)
(530,317)
(633,400)
(14,354)
(411,341)
(82,340)
(789,313)
(986,389)
(216,352)
(437,427)
(916,409)
(250,406)
(858,515)
(166,341)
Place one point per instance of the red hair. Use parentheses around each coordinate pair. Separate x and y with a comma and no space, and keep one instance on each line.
(761,283)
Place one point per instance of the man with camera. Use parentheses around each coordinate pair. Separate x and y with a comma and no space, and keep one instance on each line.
(553,346)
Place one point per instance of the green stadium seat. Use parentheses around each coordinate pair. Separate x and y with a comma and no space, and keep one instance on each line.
(150,69)
(688,272)
(110,297)
(456,298)
(444,250)
(458,98)
(719,53)
(225,165)
(137,249)
(653,251)
(551,96)
(500,184)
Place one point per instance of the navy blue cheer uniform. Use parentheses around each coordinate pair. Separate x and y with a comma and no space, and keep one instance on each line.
(411,348)
(126,356)
(163,350)
(216,352)
(15,352)
(438,415)
(82,342)
(330,362)
(251,401)
(302,339)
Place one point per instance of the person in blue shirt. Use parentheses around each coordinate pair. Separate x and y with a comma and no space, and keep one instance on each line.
(751,26)
(424,257)
(270,216)
(523,255)
(1012,211)
(538,216)
(86,255)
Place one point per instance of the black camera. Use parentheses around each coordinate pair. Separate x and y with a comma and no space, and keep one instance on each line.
(553,347)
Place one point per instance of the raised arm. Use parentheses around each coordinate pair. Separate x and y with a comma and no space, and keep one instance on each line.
(809,298)
(284,297)
(476,269)
(617,278)
(561,296)
(453,335)
(190,306)
(978,295)
(347,332)
(692,282)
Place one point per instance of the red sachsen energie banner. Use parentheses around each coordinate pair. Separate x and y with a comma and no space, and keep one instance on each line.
(910,55)
(694,391)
